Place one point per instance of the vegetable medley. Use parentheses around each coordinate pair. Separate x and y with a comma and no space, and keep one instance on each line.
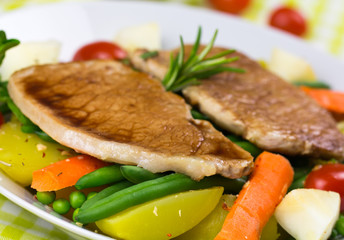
(129,202)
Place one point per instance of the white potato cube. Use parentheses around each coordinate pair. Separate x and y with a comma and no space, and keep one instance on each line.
(28,54)
(146,36)
(290,67)
(308,214)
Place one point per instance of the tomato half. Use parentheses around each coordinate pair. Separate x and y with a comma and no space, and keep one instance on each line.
(329,177)
(230,6)
(100,50)
(289,20)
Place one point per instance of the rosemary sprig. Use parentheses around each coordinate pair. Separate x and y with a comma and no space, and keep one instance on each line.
(6,44)
(182,73)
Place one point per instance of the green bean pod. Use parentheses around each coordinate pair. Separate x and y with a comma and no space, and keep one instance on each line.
(197,115)
(106,192)
(16,111)
(143,192)
(29,128)
(298,183)
(235,138)
(137,174)
(249,147)
(42,135)
(316,84)
(135,195)
(100,177)
(232,186)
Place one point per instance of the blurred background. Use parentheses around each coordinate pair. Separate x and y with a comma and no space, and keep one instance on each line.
(320,22)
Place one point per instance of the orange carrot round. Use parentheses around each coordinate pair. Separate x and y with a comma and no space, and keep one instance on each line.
(256,203)
(331,100)
(64,173)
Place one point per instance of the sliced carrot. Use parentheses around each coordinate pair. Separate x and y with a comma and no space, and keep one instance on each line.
(331,100)
(65,173)
(269,182)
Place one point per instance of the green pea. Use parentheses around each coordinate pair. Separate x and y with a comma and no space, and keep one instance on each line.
(91,195)
(46,197)
(340,225)
(61,206)
(76,199)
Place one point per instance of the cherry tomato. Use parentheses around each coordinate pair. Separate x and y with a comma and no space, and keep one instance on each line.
(329,177)
(230,6)
(1,119)
(289,20)
(100,50)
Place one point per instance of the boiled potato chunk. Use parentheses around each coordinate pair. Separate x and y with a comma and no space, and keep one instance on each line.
(28,54)
(290,67)
(141,36)
(308,214)
(22,153)
(163,218)
(209,227)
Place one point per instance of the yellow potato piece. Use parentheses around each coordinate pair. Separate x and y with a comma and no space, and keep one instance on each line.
(210,226)
(164,218)
(22,153)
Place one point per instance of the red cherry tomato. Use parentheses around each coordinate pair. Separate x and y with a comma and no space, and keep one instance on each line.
(100,50)
(329,177)
(289,20)
(1,119)
(230,6)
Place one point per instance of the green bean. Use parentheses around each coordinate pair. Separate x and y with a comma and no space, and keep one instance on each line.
(235,138)
(197,115)
(42,135)
(316,84)
(249,147)
(298,183)
(301,172)
(91,195)
(16,111)
(99,177)
(135,195)
(246,145)
(232,186)
(141,193)
(137,174)
(105,193)
(29,128)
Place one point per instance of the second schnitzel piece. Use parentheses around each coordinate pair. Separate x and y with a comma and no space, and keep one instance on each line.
(109,111)
(259,106)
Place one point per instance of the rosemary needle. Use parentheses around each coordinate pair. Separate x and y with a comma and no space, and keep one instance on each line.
(182,73)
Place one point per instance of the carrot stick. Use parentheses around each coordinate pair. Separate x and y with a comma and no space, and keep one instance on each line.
(64,173)
(269,182)
(331,100)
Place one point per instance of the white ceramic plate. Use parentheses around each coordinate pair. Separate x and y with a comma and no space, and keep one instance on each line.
(74,24)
